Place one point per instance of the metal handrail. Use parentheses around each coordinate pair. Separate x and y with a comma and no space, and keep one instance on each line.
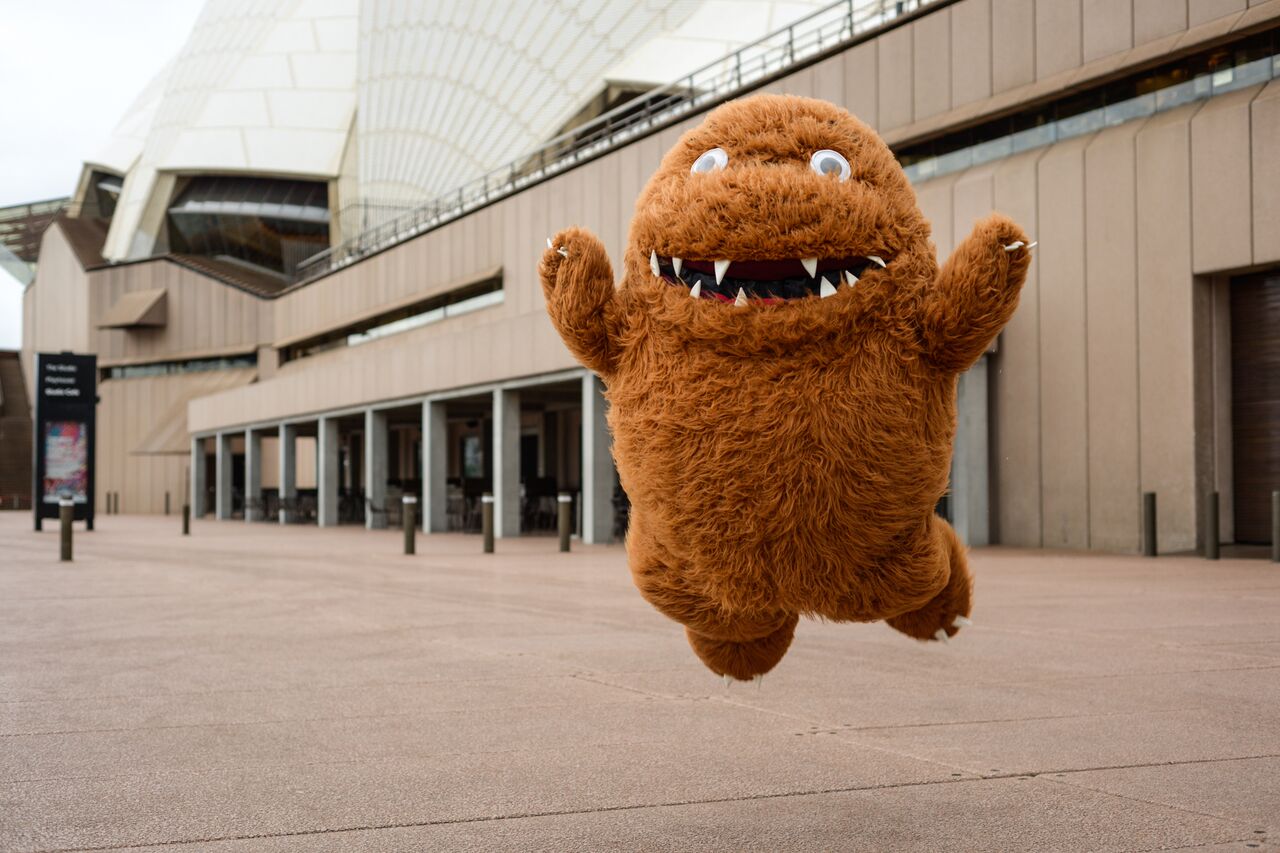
(810,36)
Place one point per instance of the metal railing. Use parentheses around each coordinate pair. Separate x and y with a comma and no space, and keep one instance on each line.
(811,36)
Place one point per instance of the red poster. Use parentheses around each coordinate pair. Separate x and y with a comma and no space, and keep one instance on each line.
(66,461)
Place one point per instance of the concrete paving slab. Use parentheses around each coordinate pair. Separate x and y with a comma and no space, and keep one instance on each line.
(993,815)
(302,689)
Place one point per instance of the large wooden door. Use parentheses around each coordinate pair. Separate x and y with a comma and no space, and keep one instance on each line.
(1255,401)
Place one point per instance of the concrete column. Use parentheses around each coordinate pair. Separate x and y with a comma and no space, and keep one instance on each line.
(506,463)
(970,463)
(327,474)
(222,472)
(597,465)
(375,468)
(435,467)
(288,467)
(197,477)
(252,475)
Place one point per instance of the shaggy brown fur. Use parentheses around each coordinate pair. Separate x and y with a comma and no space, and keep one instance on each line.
(784,458)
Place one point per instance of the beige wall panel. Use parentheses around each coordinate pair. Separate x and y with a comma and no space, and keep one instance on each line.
(1221,184)
(931,64)
(1200,11)
(936,202)
(970,51)
(1015,374)
(1112,339)
(631,177)
(973,197)
(1265,127)
(1013,44)
(60,298)
(894,89)
(828,80)
(1165,354)
(1107,27)
(1058,25)
(861,86)
(800,83)
(1063,364)
(203,313)
(1153,19)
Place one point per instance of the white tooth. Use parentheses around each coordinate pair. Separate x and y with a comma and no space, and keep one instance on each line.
(876,260)
(722,267)
(677,263)
(741,300)
(696,290)
(653,263)
(825,289)
(810,266)
(850,278)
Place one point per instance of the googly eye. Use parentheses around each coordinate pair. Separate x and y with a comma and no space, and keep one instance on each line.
(711,161)
(828,162)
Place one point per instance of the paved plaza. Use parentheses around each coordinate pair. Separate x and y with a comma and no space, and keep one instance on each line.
(256,688)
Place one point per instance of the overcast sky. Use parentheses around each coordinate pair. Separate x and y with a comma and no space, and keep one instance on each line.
(71,69)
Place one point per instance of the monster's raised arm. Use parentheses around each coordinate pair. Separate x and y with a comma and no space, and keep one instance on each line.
(975,293)
(577,281)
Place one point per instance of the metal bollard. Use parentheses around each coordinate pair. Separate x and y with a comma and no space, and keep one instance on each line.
(486,521)
(66,512)
(166,503)
(1149,524)
(1211,527)
(564,523)
(1275,527)
(186,519)
(410,523)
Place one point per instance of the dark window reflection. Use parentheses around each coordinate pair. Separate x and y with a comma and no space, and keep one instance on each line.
(269,224)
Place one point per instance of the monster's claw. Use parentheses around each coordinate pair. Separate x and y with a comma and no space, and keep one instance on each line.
(1016,244)
(941,635)
(549,246)
(564,253)
(759,680)
(728,680)
(961,622)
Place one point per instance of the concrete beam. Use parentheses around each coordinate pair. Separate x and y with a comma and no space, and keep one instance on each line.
(288,467)
(375,468)
(222,476)
(197,477)
(971,462)
(597,465)
(435,467)
(506,463)
(327,474)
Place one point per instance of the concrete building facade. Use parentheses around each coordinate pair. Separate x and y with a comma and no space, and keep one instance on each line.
(1134,139)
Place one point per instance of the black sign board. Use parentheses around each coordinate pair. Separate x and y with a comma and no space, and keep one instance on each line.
(66,403)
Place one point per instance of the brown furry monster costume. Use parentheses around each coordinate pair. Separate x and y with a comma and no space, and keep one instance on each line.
(781,362)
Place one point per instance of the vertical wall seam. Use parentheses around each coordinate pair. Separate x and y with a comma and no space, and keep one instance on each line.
(1137,326)
(1084,264)
(1039,355)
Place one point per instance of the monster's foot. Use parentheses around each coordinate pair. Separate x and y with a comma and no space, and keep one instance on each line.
(948,611)
(744,659)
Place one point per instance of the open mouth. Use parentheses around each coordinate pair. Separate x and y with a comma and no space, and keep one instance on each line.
(768,282)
